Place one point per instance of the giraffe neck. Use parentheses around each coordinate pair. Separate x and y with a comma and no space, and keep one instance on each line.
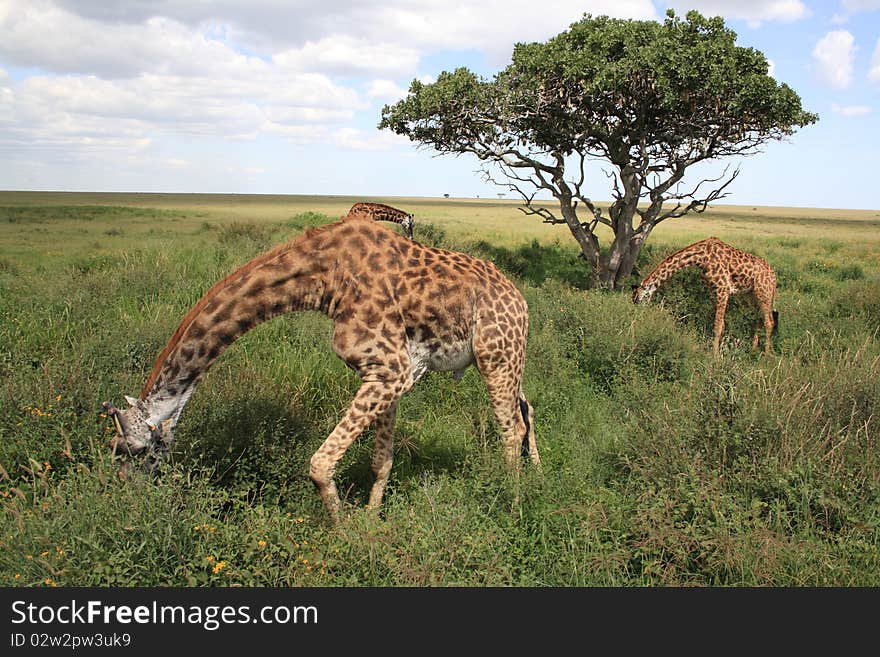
(287,278)
(690,256)
(381,212)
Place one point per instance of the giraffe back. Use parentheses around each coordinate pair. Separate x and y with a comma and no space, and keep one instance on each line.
(741,270)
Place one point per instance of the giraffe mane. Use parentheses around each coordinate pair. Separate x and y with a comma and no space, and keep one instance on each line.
(243,270)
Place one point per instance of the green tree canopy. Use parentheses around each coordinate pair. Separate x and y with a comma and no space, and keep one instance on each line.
(649,99)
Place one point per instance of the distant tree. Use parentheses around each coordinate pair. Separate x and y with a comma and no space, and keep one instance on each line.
(649,99)
(446,196)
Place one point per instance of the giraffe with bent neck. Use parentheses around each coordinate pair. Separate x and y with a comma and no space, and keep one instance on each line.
(399,309)
(382,212)
(726,271)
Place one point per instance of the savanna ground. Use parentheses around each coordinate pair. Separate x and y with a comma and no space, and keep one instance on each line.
(662,465)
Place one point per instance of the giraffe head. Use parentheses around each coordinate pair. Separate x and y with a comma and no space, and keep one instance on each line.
(407,224)
(642,293)
(137,440)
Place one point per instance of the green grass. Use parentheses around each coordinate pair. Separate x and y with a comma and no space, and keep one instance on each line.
(662,465)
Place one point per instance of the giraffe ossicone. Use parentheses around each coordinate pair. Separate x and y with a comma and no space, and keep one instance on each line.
(726,270)
(399,309)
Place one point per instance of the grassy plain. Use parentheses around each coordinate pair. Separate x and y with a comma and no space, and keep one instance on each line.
(662,464)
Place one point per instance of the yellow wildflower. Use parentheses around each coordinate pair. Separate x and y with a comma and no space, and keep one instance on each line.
(262,544)
(220,565)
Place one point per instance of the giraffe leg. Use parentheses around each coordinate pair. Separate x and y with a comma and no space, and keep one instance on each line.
(763,298)
(720,310)
(515,418)
(373,399)
(769,324)
(500,360)
(758,322)
(383,454)
(767,300)
(505,405)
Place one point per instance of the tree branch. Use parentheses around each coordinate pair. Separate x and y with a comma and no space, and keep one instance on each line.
(697,205)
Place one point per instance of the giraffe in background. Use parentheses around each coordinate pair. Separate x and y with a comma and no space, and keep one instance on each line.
(726,270)
(399,309)
(382,212)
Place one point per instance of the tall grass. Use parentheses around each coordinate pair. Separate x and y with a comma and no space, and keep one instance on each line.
(661,463)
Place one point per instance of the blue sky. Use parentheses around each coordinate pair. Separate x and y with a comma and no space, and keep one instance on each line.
(277,97)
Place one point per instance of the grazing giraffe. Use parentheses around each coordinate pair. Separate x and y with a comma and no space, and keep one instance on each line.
(382,212)
(726,270)
(399,309)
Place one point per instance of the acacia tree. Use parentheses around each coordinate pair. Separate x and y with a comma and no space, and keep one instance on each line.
(649,99)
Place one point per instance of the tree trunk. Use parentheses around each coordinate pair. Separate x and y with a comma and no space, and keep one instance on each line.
(609,270)
(617,269)
(617,265)
(587,240)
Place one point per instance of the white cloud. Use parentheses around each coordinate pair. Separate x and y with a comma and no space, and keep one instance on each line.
(118,82)
(385,90)
(6,97)
(346,55)
(850,111)
(874,71)
(493,26)
(85,117)
(358,140)
(40,34)
(851,7)
(268,27)
(118,76)
(242,170)
(111,87)
(755,12)
(834,55)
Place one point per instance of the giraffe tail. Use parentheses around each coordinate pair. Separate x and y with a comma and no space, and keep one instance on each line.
(527,414)
(775,322)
